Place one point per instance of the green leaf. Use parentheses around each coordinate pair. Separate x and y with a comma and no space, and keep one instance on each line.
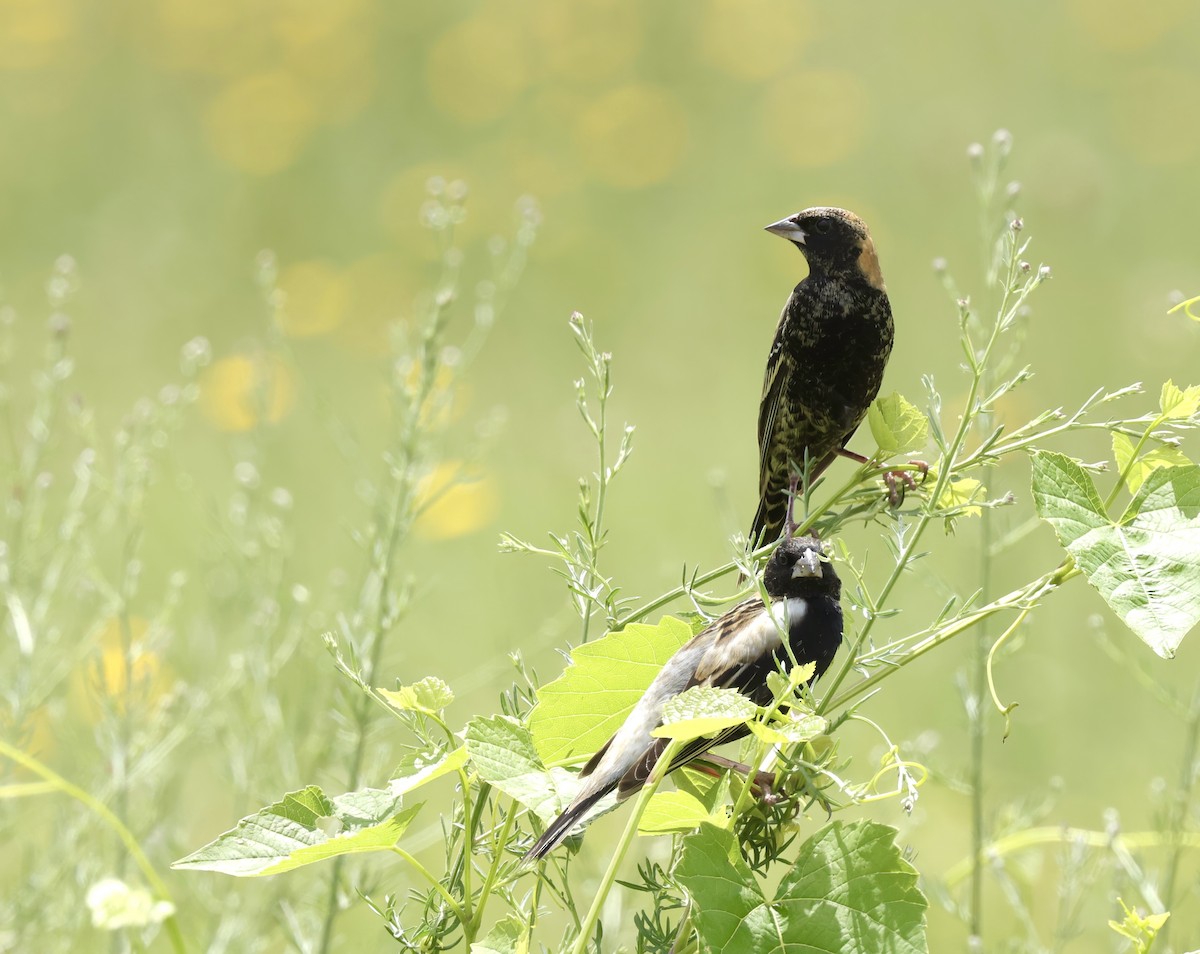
(897,426)
(1151,460)
(414,771)
(1176,404)
(849,891)
(582,708)
(1140,929)
(304,827)
(503,754)
(431,695)
(677,811)
(799,727)
(704,711)
(1143,565)
(507,936)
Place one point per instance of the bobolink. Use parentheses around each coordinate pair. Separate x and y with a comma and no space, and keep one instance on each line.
(826,362)
(737,651)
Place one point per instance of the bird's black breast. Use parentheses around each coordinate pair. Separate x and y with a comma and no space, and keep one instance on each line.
(838,336)
(814,637)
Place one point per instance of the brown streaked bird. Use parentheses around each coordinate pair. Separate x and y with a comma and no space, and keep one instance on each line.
(826,362)
(737,651)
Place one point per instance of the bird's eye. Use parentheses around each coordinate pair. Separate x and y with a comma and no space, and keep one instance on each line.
(823,226)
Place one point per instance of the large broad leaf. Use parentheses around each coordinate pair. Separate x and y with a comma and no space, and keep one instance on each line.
(582,708)
(502,753)
(1144,565)
(304,827)
(897,426)
(850,892)
(703,711)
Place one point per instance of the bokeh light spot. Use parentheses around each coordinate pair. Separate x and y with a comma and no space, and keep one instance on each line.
(1154,113)
(454,503)
(588,40)
(476,69)
(241,391)
(632,136)
(814,118)
(1122,25)
(381,293)
(260,123)
(754,39)
(316,296)
(33,32)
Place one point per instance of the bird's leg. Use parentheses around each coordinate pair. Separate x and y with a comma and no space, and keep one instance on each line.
(789,527)
(763,781)
(898,481)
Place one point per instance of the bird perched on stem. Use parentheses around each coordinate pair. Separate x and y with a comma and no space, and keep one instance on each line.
(737,651)
(826,362)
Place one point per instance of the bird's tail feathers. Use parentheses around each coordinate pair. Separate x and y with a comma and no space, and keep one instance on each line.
(561,827)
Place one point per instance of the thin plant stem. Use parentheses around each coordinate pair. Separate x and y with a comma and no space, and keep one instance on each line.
(1059,835)
(425,873)
(1181,808)
(614,863)
(103,812)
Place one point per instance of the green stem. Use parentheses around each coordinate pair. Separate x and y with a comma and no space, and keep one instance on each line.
(382,567)
(437,885)
(1182,808)
(1058,835)
(1035,591)
(712,575)
(948,467)
(157,885)
(494,869)
(1133,459)
(614,864)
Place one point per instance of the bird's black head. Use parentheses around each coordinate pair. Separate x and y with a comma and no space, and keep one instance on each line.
(796,568)
(834,241)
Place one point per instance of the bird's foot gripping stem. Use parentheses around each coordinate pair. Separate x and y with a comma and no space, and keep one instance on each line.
(899,482)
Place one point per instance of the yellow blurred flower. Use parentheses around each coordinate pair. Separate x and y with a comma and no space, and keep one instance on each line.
(241,391)
(116,680)
(586,40)
(814,118)
(35,33)
(300,23)
(453,504)
(260,123)
(754,39)
(316,296)
(1154,111)
(329,47)
(632,136)
(1122,25)
(476,69)
(215,38)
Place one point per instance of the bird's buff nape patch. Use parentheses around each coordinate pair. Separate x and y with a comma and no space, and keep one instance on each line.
(868,264)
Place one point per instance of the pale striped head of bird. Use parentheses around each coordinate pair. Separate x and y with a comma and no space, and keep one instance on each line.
(833,240)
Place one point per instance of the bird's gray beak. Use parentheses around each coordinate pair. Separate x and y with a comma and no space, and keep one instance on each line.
(786,228)
(808,566)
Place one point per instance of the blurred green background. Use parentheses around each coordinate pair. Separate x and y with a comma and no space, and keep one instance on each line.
(163,146)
